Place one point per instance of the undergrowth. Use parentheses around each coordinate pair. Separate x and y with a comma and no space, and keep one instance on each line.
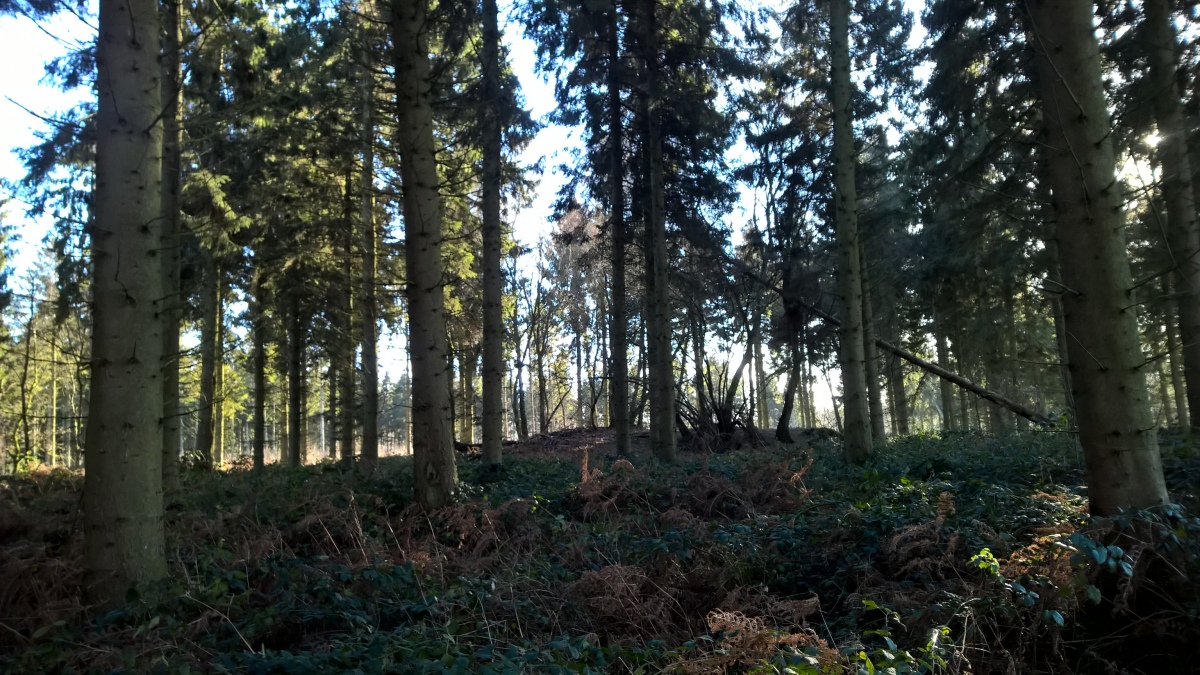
(955,555)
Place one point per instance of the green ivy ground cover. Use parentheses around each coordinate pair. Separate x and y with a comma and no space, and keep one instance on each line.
(955,555)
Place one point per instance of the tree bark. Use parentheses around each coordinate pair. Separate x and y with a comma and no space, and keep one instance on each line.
(122,495)
(467,362)
(857,417)
(943,355)
(218,402)
(539,359)
(172,116)
(368,306)
(1163,52)
(619,323)
(783,432)
(661,385)
(209,306)
(295,363)
(259,330)
(871,358)
(493,276)
(897,394)
(763,414)
(1116,430)
(435,475)
(1178,385)
(26,454)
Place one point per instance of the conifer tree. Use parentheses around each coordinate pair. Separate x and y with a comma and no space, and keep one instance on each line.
(1115,428)
(435,478)
(123,499)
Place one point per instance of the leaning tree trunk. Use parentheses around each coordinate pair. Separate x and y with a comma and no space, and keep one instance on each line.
(1182,224)
(783,432)
(857,417)
(122,494)
(661,385)
(618,402)
(172,117)
(493,277)
(435,476)
(1115,426)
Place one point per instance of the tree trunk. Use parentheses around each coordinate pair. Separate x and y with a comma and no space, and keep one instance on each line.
(172,116)
(698,362)
(857,417)
(209,308)
(1115,426)
(871,358)
(345,404)
(661,383)
(302,409)
(259,335)
(1172,150)
(368,306)
(1168,412)
(1178,386)
(122,494)
(783,432)
(27,452)
(619,324)
(760,380)
(897,394)
(519,408)
(805,392)
(493,276)
(435,476)
(580,408)
(218,404)
(943,356)
(295,351)
(543,398)
(52,439)
(467,363)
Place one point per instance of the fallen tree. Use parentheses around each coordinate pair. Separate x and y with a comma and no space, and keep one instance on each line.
(928,366)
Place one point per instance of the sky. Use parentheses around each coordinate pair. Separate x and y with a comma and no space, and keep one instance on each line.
(26,46)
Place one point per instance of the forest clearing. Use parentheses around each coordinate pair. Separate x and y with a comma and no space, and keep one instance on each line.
(964,554)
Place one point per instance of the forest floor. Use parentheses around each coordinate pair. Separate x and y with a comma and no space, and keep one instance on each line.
(953,555)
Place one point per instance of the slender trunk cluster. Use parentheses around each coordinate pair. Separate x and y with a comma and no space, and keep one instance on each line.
(1182,224)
